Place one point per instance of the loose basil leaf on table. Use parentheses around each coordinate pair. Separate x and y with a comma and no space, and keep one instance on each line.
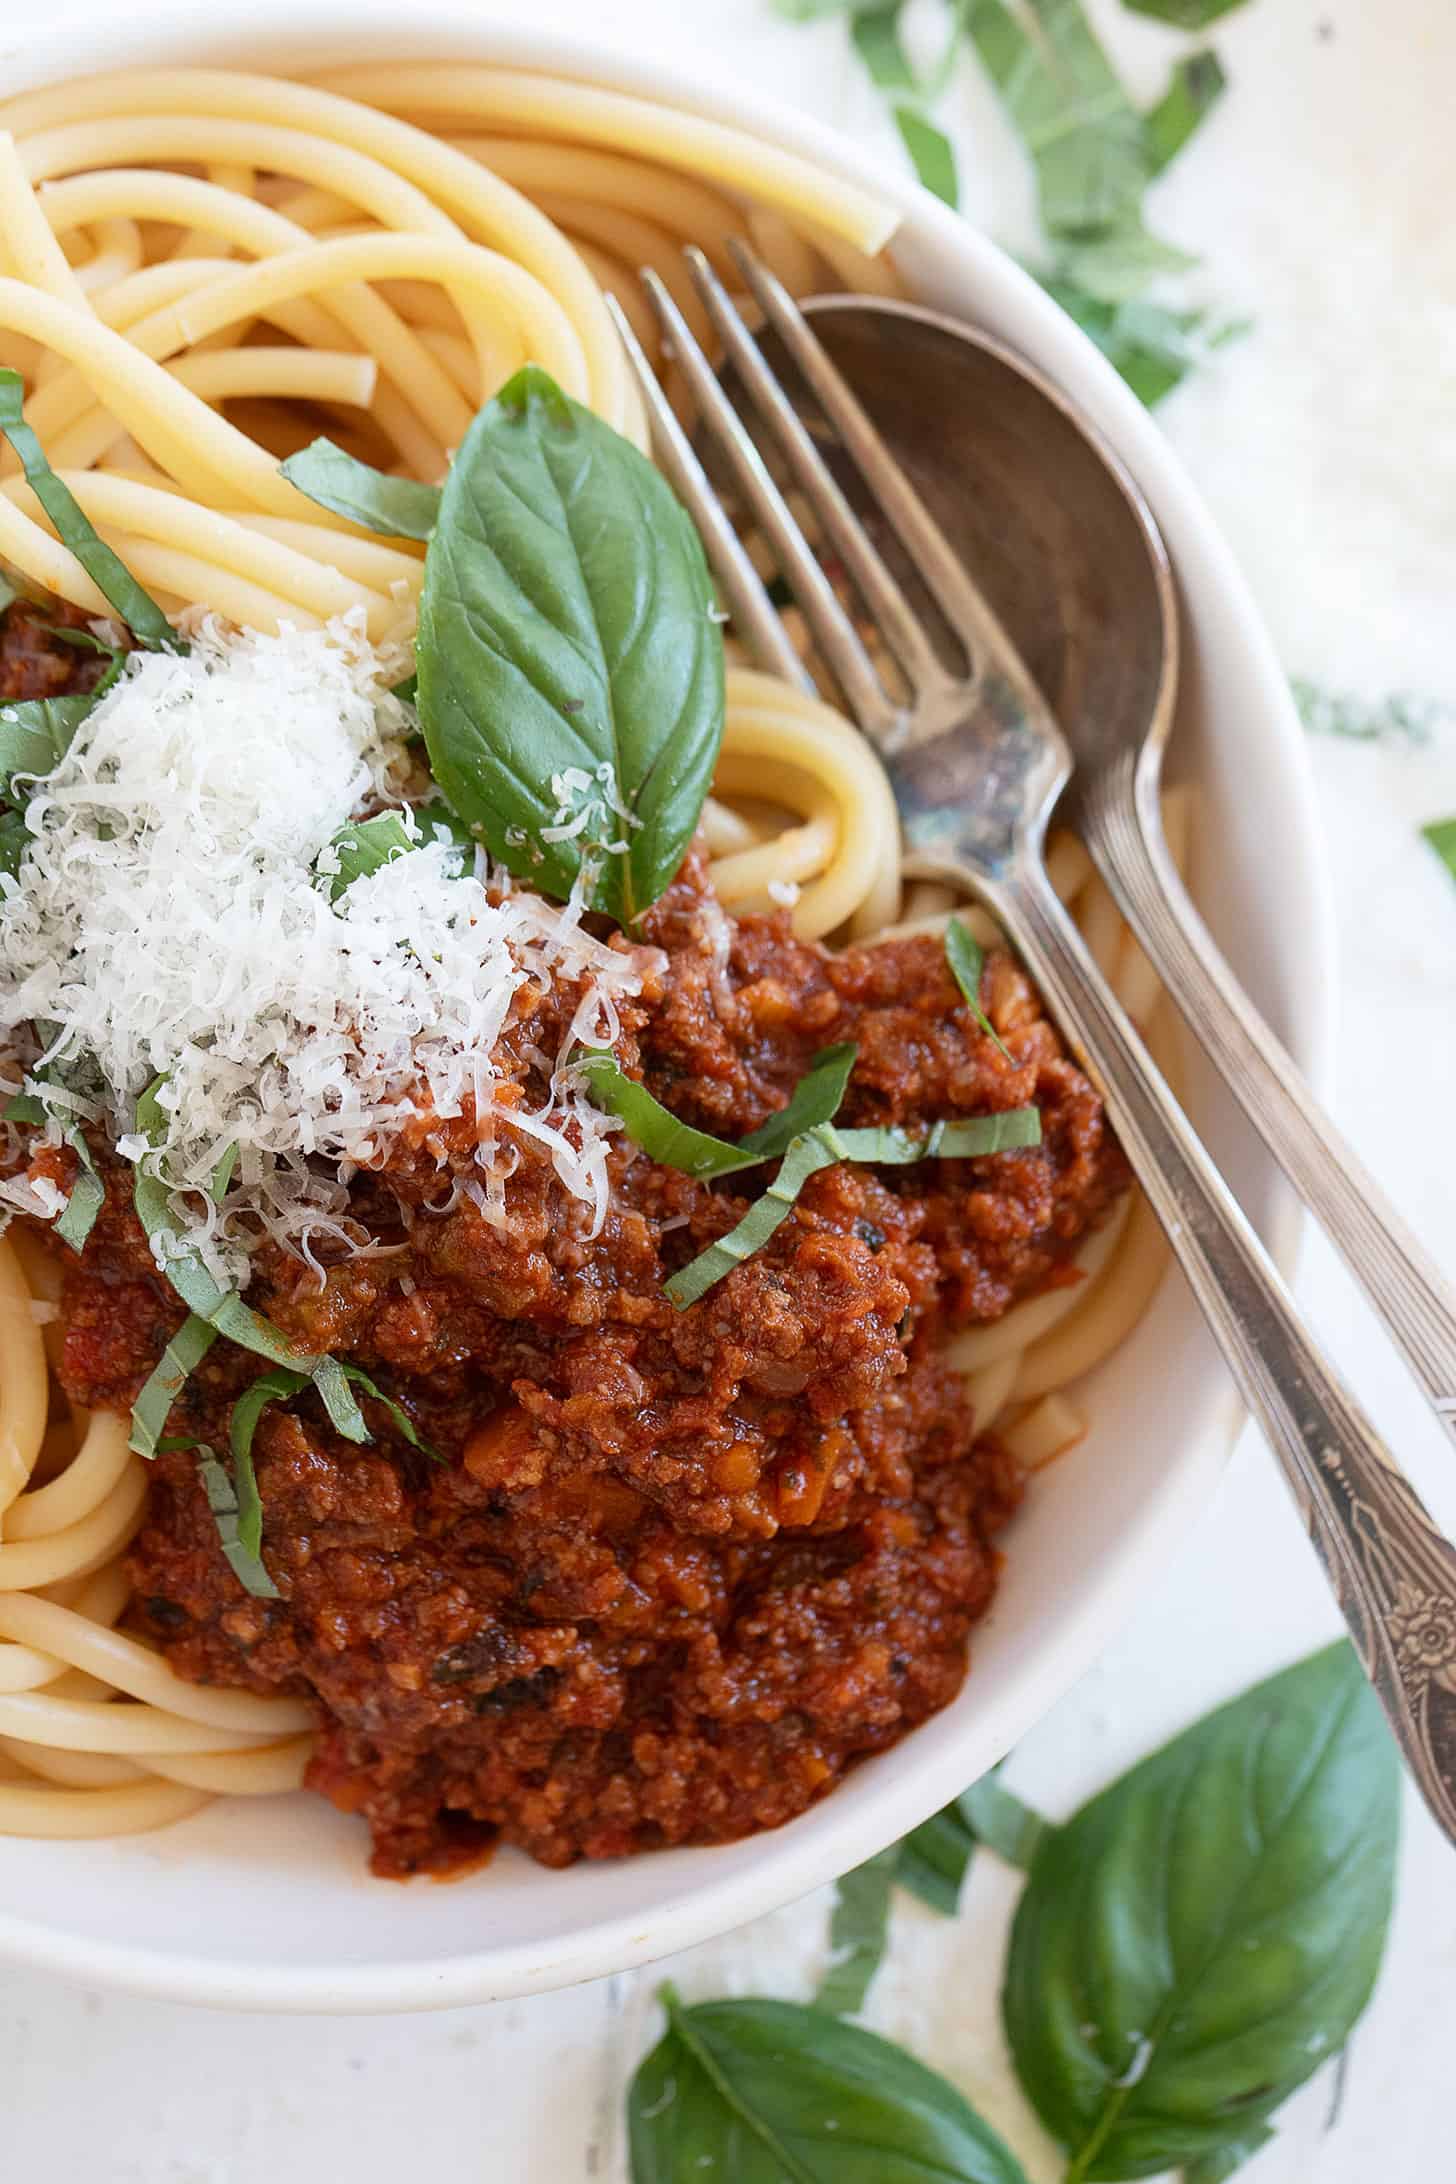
(1198,1939)
(1441,835)
(758,2092)
(1196,85)
(569,659)
(140,612)
(859,1932)
(997,1817)
(395,507)
(1184,14)
(935,1858)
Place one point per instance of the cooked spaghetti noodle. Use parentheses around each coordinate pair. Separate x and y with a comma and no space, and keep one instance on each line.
(199,271)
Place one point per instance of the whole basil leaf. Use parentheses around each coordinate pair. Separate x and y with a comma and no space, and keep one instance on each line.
(755,2092)
(1203,1935)
(395,507)
(570,665)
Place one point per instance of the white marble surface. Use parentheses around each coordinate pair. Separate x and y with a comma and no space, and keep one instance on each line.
(1326,442)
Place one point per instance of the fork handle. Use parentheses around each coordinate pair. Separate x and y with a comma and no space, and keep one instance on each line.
(1391,1570)
(1123,831)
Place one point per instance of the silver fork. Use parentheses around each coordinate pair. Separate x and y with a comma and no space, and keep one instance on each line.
(976,765)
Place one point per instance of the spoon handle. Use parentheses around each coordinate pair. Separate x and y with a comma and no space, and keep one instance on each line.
(1124,832)
(1391,1570)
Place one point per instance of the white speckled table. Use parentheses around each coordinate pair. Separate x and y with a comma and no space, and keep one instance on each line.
(1326,443)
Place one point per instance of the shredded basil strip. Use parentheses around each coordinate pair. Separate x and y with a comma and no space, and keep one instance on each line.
(88,1193)
(935,1858)
(823,1147)
(966,958)
(222,1174)
(222,1308)
(152,1408)
(400,1418)
(140,612)
(238,1517)
(393,507)
(674,1144)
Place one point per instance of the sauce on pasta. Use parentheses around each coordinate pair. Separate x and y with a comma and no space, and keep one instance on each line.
(608,1574)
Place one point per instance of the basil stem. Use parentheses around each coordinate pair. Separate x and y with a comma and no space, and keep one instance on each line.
(140,612)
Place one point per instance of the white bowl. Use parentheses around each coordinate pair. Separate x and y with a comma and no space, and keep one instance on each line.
(270,1906)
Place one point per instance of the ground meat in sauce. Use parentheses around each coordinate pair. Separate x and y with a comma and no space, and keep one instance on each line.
(674,1572)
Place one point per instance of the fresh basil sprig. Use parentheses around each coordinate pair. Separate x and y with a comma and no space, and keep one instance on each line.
(394,507)
(569,658)
(140,612)
(1198,1939)
(763,2092)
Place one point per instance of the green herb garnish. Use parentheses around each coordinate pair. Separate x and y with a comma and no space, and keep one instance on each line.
(169,1376)
(1196,85)
(140,612)
(1184,14)
(673,1144)
(395,507)
(1441,834)
(366,845)
(88,1193)
(569,659)
(238,1515)
(758,2092)
(858,1932)
(1202,1936)
(966,958)
(823,1148)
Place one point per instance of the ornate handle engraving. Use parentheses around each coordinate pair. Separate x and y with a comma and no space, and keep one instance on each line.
(1392,1571)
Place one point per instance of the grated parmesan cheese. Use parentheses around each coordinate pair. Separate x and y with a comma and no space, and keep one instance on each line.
(168,918)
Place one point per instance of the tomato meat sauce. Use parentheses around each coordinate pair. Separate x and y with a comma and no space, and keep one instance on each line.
(660,1576)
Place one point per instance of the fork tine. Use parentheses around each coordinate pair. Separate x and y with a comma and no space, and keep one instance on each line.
(965,607)
(883,597)
(832,630)
(753,611)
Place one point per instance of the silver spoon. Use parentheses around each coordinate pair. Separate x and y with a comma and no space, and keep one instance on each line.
(977,763)
(1067,552)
